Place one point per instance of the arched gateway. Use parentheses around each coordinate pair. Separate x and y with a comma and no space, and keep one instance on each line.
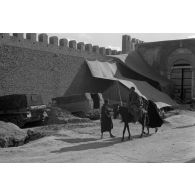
(181,63)
(181,75)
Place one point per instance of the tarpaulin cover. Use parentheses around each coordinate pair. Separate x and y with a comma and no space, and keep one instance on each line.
(19,101)
(106,70)
(150,92)
(15,101)
(136,62)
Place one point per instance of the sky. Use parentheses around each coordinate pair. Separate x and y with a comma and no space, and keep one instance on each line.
(114,40)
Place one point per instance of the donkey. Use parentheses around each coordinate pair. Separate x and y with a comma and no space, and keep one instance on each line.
(149,117)
(128,118)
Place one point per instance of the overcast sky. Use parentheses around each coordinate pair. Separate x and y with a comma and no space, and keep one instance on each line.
(114,40)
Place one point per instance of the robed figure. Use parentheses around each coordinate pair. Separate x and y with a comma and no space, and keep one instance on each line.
(106,119)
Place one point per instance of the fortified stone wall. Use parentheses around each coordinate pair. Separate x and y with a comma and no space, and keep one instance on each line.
(42,42)
(51,68)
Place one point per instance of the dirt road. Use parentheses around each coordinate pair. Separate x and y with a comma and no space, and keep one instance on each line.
(174,142)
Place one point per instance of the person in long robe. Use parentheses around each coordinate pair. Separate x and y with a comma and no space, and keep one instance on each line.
(155,120)
(106,119)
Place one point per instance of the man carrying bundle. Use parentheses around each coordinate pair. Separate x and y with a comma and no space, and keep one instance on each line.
(134,104)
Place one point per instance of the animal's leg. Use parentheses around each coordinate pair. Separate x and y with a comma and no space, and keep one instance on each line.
(128,131)
(101,135)
(143,124)
(142,130)
(125,126)
(111,134)
(156,129)
(148,130)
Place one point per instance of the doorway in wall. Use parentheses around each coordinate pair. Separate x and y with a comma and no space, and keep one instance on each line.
(96,100)
(181,75)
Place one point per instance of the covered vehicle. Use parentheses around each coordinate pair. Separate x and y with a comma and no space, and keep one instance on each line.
(22,108)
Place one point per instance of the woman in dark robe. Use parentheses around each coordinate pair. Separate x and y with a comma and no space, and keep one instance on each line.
(153,115)
(106,120)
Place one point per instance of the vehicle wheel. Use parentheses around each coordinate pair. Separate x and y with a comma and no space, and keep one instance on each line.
(45,121)
(20,123)
(14,121)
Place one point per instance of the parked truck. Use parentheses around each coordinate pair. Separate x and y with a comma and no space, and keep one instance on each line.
(21,109)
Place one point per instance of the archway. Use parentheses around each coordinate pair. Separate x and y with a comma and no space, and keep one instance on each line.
(180,72)
(181,75)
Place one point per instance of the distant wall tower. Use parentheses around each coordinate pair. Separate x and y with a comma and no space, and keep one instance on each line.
(129,44)
(126,44)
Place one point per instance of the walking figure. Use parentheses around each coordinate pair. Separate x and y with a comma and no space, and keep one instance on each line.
(134,104)
(106,120)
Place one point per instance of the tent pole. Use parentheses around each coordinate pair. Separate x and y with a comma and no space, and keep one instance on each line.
(119,93)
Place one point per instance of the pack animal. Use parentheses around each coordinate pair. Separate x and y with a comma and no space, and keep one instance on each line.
(128,118)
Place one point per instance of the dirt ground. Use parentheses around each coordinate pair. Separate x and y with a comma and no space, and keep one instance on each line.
(174,142)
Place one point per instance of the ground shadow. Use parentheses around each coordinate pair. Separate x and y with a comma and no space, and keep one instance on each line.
(93,145)
(135,137)
(33,124)
(143,136)
(77,140)
(60,135)
(186,126)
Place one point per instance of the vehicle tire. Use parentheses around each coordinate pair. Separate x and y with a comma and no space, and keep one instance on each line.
(14,121)
(20,123)
(45,121)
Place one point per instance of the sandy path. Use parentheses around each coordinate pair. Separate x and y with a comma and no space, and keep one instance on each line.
(174,142)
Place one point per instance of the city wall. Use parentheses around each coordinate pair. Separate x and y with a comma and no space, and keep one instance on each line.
(42,42)
(47,66)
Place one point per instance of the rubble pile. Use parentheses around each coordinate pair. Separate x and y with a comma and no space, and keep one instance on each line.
(57,115)
(12,136)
